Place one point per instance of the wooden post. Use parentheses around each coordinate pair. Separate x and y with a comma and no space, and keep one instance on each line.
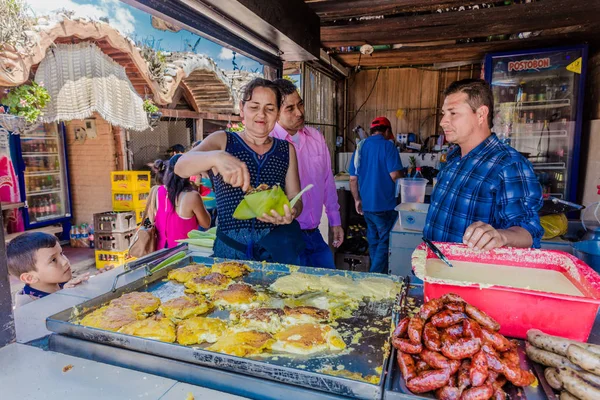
(7,323)
(199,129)
(271,73)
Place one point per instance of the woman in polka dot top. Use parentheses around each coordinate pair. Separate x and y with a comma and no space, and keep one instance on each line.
(238,161)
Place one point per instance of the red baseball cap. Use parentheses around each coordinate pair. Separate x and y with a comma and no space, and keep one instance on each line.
(381,121)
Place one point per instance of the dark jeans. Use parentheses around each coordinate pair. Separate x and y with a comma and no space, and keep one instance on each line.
(317,253)
(379,226)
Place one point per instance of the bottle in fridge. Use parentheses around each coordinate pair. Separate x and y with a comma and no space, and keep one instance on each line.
(538,95)
(45,177)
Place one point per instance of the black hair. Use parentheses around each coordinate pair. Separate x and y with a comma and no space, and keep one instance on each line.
(379,129)
(479,93)
(160,167)
(20,252)
(260,82)
(177,148)
(174,183)
(285,86)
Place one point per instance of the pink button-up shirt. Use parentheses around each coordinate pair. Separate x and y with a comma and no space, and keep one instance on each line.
(314,166)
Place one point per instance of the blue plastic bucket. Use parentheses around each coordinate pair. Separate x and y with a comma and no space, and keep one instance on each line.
(588,251)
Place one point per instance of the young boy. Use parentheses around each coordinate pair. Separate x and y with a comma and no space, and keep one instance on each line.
(37,259)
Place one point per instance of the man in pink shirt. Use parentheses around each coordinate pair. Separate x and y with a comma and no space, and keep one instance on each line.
(314,165)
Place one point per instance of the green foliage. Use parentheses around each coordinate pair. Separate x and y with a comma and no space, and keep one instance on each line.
(150,107)
(27,101)
(15,19)
(236,127)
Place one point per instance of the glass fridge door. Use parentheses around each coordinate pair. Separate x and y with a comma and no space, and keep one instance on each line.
(535,98)
(45,174)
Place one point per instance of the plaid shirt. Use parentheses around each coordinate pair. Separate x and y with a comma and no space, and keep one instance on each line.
(494,184)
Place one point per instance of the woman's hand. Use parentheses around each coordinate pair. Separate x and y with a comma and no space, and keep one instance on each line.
(277,219)
(233,171)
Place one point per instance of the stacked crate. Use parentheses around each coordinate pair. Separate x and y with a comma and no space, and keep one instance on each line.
(114,232)
(130,191)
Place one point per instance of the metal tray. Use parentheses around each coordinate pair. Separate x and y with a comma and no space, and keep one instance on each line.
(395,386)
(363,358)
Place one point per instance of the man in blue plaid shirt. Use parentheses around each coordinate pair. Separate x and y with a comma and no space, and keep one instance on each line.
(487,196)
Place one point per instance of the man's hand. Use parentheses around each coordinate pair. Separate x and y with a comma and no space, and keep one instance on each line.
(338,236)
(76,281)
(358,205)
(481,236)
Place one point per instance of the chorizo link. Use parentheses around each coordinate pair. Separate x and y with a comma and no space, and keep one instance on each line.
(455,331)
(431,338)
(512,357)
(455,306)
(499,394)
(430,308)
(499,342)
(434,359)
(452,298)
(460,349)
(401,328)
(472,329)
(406,365)
(478,372)
(482,318)
(516,375)
(478,393)
(448,393)
(463,380)
(415,329)
(422,366)
(405,346)
(428,381)
(447,318)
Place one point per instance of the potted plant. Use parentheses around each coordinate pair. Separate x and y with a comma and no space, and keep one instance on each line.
(25,102)
(153,112)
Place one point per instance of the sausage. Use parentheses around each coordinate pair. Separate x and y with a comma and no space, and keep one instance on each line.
(453,367)
(551,375)
(589,377)
(478,393)
(478,373)
(460,349)
(472,329)
(493,360)
(455,331)
(406,365)
(516,375)
(452,298)
(464,381)
(584,358)
(577,386)
(415,329)
(499,342)
(401,328)
(434,359)
(428,381)
(447,318)
(482,318)
(455,306)
(422,366)
(564,395)
(499,394)
(405,346)
(430,308)
(498,381)
(431,338)
(512,357)
(556,344)
(448,393)
(548,359)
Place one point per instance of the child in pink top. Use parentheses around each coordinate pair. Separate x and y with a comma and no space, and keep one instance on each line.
(179,209)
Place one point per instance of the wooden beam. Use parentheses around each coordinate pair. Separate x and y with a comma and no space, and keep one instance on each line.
(466,24)
(176,97)
(332,10)
(166,112)
(459,52)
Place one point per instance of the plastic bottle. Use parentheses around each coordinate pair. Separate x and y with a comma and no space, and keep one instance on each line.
(417,174)
(91,237)
(72,236)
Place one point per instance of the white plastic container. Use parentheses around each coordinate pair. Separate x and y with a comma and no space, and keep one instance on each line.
(412,215)
(412,190)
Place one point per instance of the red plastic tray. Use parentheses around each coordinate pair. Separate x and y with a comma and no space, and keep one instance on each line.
(518,310)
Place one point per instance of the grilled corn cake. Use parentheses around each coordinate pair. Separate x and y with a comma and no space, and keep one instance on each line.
(296,283)
(304,314)
(140,302)
(156,328)
(262,319)
(182,275)
(232,269)
(185,307)
(209,283)
(110,318)
(243,343)
(198,330)
(237,296)
(308,339)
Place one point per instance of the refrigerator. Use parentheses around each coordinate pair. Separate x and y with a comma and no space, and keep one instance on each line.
(44,177)
(538,107)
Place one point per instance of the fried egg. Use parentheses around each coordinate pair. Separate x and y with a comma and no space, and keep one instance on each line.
(185,307)
(156,328)
(110,318)
(232,269)
(340,285)
(262,319)
(296,283)
(308,339)
(182,275)
(209,283)
(379,288)
(304,314)
(243,343)
(198,330)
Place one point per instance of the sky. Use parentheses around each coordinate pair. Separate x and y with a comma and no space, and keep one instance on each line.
(137,25)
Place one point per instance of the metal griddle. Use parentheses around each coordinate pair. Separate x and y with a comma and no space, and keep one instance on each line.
(395,386)
(301,371)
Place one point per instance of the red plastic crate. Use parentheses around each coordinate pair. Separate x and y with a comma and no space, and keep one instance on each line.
(518,310)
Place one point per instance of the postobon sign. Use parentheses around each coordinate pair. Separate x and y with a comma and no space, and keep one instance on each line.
(538,63)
